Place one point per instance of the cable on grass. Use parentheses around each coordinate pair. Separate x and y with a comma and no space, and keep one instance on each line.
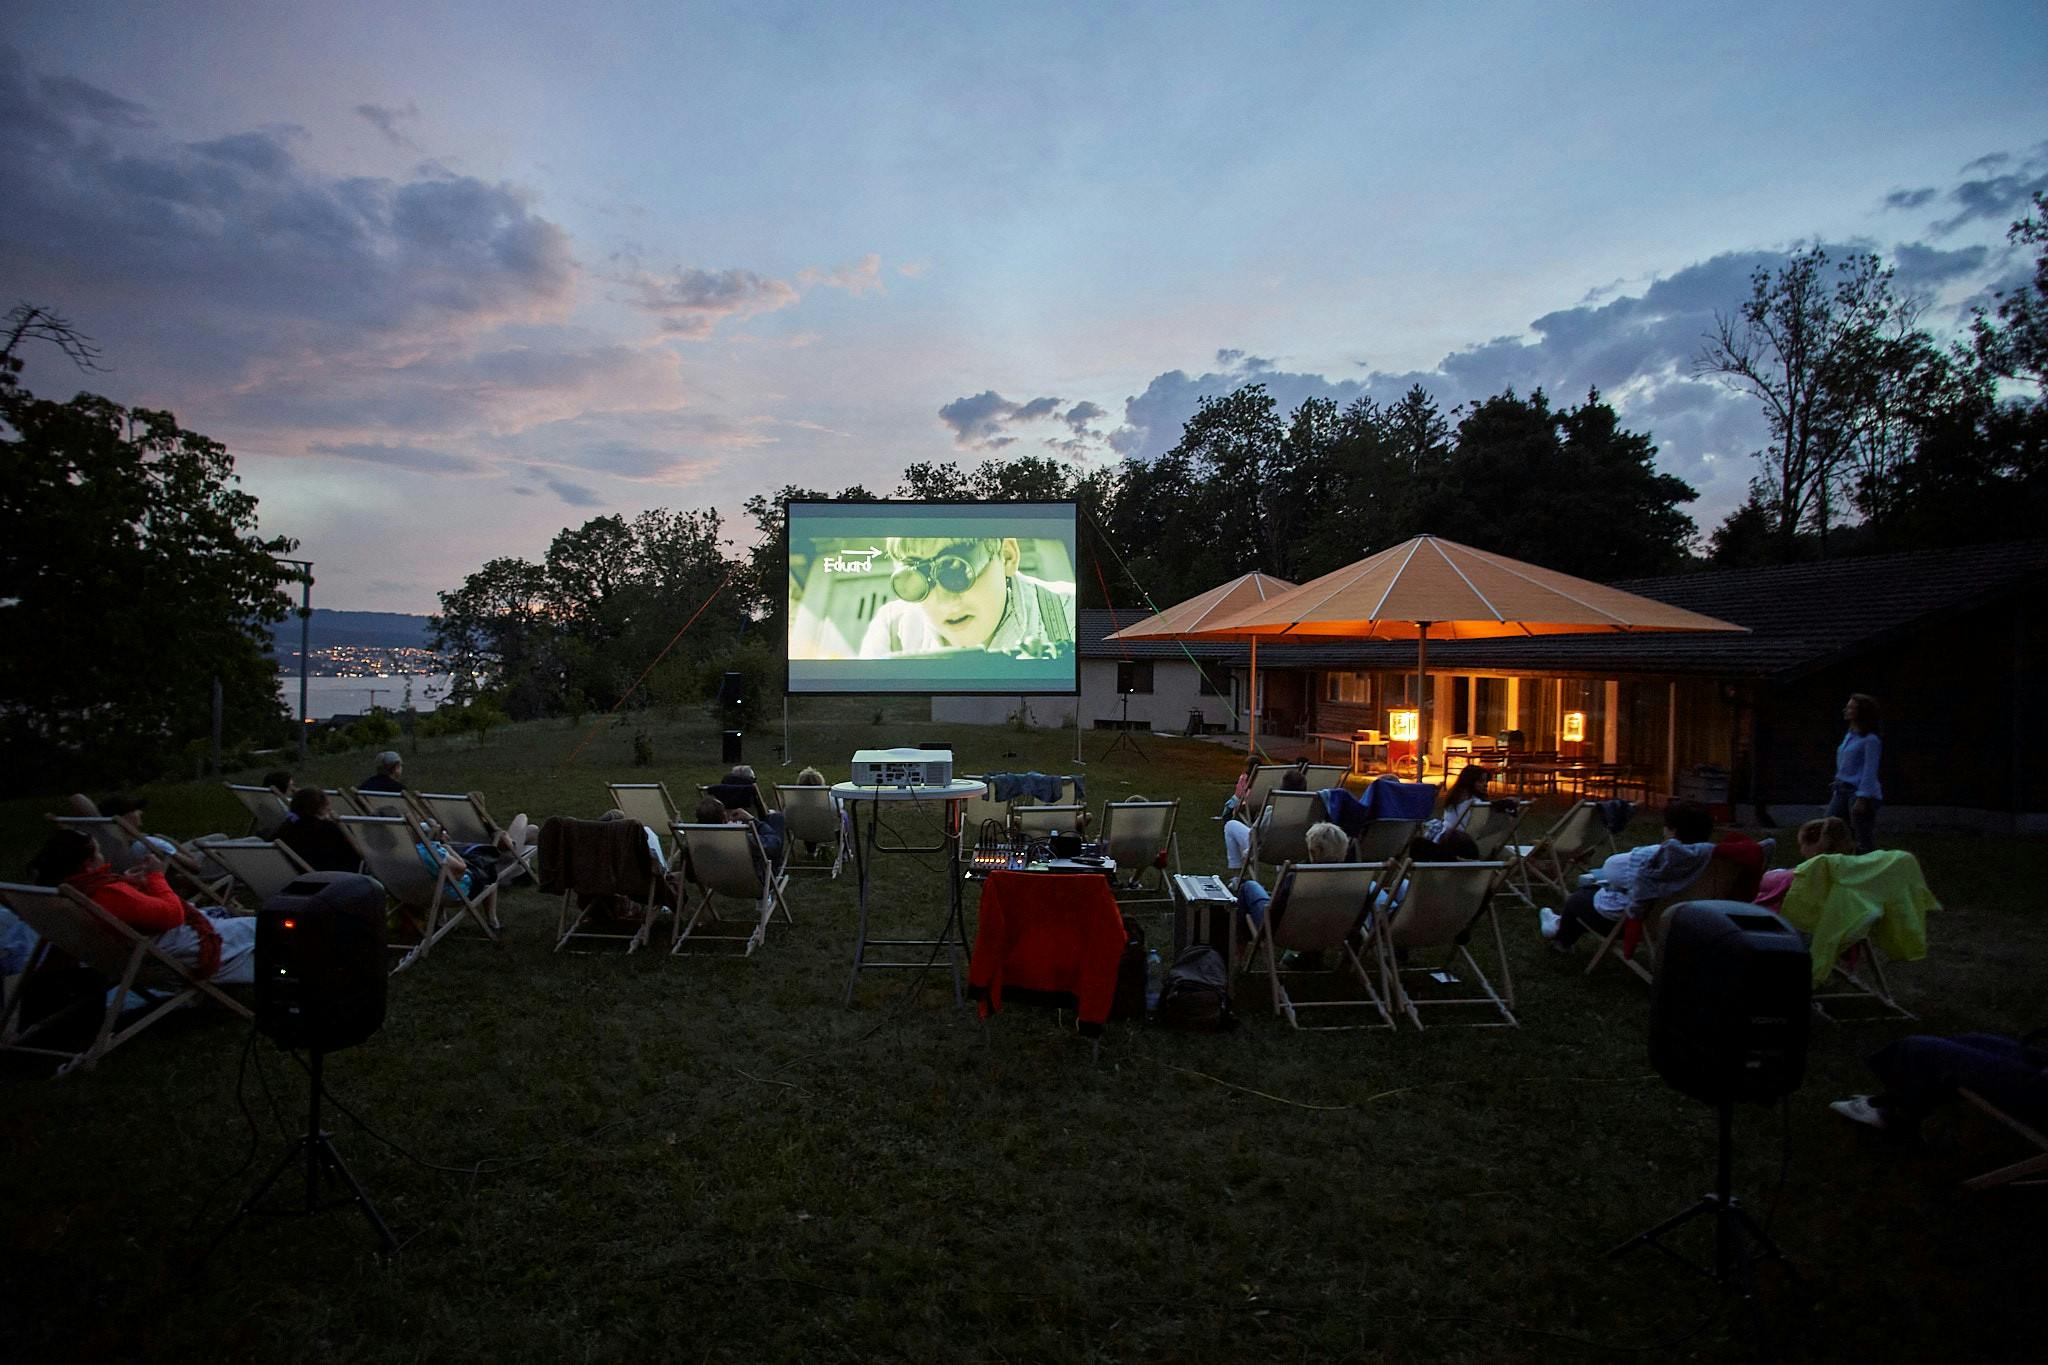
(1262,1094)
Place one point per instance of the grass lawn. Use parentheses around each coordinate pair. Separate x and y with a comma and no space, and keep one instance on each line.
(713,1160)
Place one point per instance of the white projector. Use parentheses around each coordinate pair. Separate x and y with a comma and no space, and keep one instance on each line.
(902,767)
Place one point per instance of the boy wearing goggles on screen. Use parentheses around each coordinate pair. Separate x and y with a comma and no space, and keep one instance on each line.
(967,594)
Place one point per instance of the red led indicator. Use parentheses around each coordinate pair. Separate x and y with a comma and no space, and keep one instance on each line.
(291,924)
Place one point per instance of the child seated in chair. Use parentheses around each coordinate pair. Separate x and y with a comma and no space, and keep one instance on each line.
(1829,834)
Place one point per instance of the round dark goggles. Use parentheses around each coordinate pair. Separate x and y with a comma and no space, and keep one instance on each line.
(955,571)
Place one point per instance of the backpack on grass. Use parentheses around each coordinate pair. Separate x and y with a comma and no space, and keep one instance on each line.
(1196,996)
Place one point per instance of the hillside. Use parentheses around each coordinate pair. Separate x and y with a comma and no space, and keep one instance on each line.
(360,629)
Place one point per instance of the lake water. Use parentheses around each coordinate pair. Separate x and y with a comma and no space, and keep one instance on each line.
(352,696)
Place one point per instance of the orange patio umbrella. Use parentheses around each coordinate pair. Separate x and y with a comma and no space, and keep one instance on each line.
(1194,619)
(1432,587)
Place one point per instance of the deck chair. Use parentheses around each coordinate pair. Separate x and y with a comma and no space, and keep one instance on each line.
(1281,834)
(1492,828)
(391,853)
(1265,780)
(1439,907)
(1716,882)
(2019,1172)
(1039,822)
(1859,976)
(1136,835)
(346,801)
(812,816)
(382,804)
(746,796)
(66,921)
(1321,775)
(1556,858)
(266,808)
(647,802)
(262,866)
(1325,907)
(1385,839)
(726,860)
(116,837)
(463,820)
(977,811)
(587,860)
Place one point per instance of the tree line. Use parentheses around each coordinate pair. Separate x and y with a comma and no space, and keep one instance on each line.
(133,576)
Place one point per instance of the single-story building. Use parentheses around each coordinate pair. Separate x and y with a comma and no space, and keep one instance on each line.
(1950,642)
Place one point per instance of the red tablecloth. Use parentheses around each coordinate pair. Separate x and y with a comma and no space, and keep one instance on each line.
(1049,935)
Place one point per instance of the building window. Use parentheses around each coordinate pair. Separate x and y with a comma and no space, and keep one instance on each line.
(1214,681)
(1134,677)
(1352,687)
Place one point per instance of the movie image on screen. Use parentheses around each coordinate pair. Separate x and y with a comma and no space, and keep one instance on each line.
(931,597)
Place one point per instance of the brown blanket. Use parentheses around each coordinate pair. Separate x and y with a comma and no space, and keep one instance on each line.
(596,857)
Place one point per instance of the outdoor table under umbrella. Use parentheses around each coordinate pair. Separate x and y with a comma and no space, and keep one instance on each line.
(1191,620)
(1432,588)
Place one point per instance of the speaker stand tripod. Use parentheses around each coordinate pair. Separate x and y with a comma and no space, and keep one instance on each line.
(1739,1240)
(1123,738)
(315,1149)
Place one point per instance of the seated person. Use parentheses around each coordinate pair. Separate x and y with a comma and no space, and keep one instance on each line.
(312,832)
(389,776)
(219,946)
(1829,834)
(186,857)
(1237,840)
(1921,1071)
(1236,802)
(768,829)
(1687,825)
(1326,844)
(739,789)
(1460,797)
(281,782)
(968,594)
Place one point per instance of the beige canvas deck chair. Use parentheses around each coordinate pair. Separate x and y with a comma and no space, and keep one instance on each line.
(725,860)
(1321,775)
(1280,835)
(1039,822)
(1555,859)
(463,820)
(647,802)
(812,817)
(977,811)
(346,802)
(2019,1172)
(391,853)
(116,836)
(589,860)
(1440,907)
(1385,839)
(1324,907)
(1137,835)
(65,920)
(267,810)
(1265,781)
(261,866)
(1716,882)
(1492,828)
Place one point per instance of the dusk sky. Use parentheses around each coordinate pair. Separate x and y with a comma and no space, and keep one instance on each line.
(448,278)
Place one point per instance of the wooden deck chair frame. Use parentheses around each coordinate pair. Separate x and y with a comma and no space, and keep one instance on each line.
(346,802)
(1039,822)
(66,920)
(116,837)
(1283,838)
(389,845)
(1497,829)
(721,861)
(1140,849)
(1321,775)
(1327,905)
(1265,781)
(2019,1172)
(1385,840)
(463,819)
(1441,908)
(1850,983)
(267,810)
(263,867)
(567,928)
(1716,882)
(811,815)
(647,802)
(1567,846)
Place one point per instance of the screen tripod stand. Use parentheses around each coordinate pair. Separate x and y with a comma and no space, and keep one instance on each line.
(1123,738)
(315,1150)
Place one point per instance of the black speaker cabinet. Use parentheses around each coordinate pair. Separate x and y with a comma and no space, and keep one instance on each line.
(729,746)
(732,689)
(320,968)
(1731,1005)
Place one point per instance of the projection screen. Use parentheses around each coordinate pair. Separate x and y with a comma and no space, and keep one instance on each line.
(931,597)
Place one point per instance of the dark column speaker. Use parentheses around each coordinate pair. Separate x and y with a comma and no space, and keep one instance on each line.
(320,968)
(732,689)
(1731,1005)
(729,747)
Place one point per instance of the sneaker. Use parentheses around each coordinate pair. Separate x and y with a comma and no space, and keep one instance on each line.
(1859,1109)
(1551,919)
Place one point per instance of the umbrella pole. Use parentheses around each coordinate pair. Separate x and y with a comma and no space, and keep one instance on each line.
(1421,700)
(1252,707)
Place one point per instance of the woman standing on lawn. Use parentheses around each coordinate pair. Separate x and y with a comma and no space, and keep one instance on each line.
(1857,794)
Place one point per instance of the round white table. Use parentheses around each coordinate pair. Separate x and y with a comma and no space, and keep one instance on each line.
(949,799)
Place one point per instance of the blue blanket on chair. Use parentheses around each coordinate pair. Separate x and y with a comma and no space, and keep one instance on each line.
(1390,798)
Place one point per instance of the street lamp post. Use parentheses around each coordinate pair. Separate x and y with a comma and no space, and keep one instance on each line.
(305,568)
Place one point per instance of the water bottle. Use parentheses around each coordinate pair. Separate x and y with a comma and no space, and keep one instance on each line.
(1155,977)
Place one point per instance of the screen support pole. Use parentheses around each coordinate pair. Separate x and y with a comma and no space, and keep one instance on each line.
(785,729)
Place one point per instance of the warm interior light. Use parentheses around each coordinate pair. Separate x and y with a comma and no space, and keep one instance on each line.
(1575,727)
(291,924)
(1404,725)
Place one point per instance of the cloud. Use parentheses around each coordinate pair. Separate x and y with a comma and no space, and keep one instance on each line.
(1999,197)
(67,96)
(863,276)
(416,458)
(1081,414)
(1910,199)
(386,120)
(690,303)
(979,421)
(911,270)
(574,494)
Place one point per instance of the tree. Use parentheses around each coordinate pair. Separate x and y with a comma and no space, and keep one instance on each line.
(2016,346)
(132,575)
(1796,345)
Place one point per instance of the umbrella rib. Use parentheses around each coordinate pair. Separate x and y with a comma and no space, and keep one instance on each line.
(1396,578)
(1508,566)
(1484,600)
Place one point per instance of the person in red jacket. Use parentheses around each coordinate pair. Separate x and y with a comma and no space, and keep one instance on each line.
(222,949)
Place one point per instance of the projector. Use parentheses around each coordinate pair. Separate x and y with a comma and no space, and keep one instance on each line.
(902,767)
